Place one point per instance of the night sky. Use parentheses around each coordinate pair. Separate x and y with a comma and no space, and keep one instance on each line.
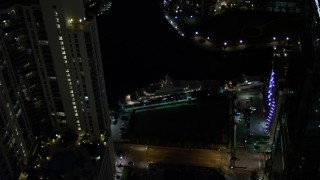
(140,47)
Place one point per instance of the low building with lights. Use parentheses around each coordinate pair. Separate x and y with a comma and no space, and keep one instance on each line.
(196,7)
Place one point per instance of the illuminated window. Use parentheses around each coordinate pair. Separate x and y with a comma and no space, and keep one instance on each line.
(61,42)
(57,19)
(43,42)
(62,48)
(64,57)
(61,114)
(60,38)
(74,107)
(29,74)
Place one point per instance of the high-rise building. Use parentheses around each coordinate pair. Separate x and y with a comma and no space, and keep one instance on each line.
(296,143)
(51,78)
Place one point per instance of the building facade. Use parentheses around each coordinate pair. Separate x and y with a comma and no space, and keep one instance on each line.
(297,138)
(51,78)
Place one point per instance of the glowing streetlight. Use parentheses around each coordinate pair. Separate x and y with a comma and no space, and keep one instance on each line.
(274,38)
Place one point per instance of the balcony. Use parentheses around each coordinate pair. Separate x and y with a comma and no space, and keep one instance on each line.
(78,26)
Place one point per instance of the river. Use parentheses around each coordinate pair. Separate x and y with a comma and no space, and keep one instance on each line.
(140,47)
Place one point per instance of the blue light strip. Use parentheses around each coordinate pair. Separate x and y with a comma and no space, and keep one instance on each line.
(318,7)
(271,101)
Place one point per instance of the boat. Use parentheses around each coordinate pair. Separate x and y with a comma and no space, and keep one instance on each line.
(168,87)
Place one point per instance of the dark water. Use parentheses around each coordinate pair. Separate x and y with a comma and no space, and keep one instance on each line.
(140,47)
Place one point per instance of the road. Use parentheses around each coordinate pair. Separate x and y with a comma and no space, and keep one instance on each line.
(170,155)
(258,117)
(142,156)
(251,155)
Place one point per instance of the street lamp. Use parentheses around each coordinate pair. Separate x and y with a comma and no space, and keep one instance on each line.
(233,134)
(147,149)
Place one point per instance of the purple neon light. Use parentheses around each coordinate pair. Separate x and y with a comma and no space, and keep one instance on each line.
(271,101)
